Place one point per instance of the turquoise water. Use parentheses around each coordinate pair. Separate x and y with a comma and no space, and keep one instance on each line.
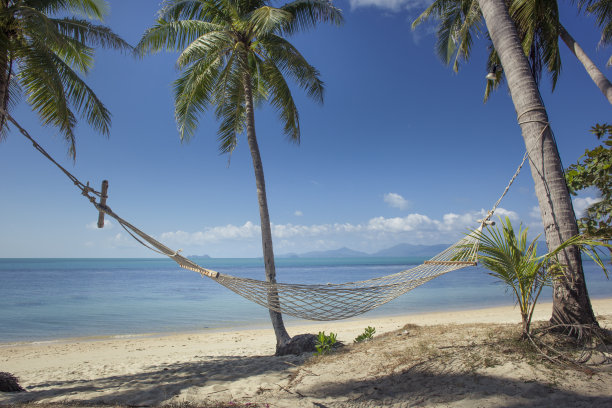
(44,299)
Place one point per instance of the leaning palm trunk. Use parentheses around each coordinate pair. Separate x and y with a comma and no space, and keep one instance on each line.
(596,75)
(5,77)
(571,304)
(282,337)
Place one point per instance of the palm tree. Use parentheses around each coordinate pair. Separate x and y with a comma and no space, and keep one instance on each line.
(459,19)
(233,56)
(571,304)
(510,258)
(42,55)
(539,29)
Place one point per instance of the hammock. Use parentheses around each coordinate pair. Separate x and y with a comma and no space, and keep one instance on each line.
(323,302)
(312,302)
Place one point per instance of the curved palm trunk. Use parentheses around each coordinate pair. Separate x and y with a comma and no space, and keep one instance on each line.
(596,75)
(5,73)
(5,78)
(4,83)
(571,304)
(282,337)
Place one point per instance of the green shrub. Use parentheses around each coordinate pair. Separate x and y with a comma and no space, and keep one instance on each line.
(325,343)
(367,334)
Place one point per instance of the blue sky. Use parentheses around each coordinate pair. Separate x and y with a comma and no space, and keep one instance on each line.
(402,151)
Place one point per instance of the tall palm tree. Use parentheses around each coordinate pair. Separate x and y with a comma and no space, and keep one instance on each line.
(41,56)
(571,304)
(539,29)
(233,55)
(459,20)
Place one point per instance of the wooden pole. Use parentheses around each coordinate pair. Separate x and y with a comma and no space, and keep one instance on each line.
(103,203)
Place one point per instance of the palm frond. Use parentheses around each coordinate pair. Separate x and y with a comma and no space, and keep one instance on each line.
(172,35)
(93,9)
(267,20)
(212,11)
(434,11)
(308,13)
(92,35)
(53,87)
(40,29)
(538,26)
(493,62)
(193,92)
(213,42)
(232,117)
(291,62)
(282,100)
(602,11)
(460,20)
(12,96)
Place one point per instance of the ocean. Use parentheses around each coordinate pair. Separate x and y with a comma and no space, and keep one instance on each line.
(49,299)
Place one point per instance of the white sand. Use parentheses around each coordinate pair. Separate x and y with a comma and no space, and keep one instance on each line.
(237,365)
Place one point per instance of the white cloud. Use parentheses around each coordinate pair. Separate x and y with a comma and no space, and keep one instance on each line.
(94,225)
(503,213)
(408,223)
(369,236)
(213,234)
(581,204)
(396,201)
(535,212)
(298,213)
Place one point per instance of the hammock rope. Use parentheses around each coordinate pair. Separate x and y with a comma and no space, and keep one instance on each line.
(312,302)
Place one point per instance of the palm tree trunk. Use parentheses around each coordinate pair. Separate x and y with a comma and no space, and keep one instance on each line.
(571,304)
(5,69)
(282,337)
(5,76)
(596,75)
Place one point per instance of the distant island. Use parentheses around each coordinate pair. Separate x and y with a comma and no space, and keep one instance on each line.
(397,251)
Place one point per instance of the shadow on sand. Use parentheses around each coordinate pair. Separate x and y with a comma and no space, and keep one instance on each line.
(157,383)
(411,387)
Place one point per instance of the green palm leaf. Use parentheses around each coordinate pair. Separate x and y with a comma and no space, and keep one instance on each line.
(44,56)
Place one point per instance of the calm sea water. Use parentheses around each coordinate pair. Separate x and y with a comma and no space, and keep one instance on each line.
(45,299)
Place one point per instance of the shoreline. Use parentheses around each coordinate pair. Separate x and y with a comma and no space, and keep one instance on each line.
(495,314)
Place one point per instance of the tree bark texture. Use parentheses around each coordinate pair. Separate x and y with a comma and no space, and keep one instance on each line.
(571,304)
(5,71)
(596,75)
(282,337)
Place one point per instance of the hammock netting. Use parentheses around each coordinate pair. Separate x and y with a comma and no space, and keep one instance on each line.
(313,302)
(326,301)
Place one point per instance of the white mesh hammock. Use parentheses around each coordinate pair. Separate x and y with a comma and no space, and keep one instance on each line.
(328,301)
(313,302)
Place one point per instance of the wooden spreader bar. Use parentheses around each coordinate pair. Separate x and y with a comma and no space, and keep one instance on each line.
(103,197)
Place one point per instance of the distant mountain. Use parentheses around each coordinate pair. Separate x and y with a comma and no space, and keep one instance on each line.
(407,250)
(334,253)
(398,251)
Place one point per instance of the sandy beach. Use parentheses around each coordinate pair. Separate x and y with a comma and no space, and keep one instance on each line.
(438,359)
